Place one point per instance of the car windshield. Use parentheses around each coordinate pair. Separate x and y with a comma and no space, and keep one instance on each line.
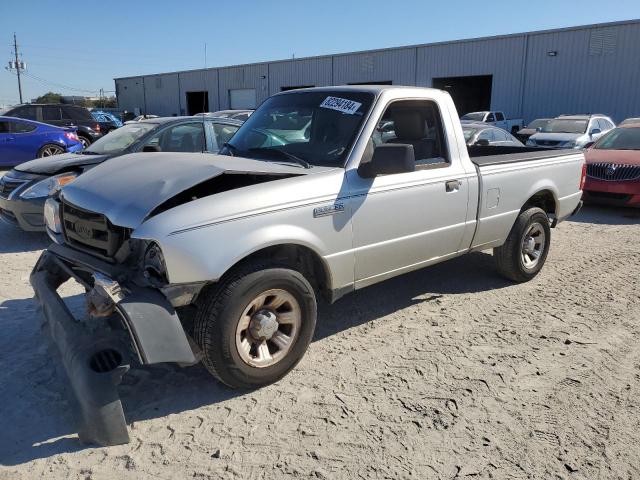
(620,139)
(318,128)
(119,139)
(468,133)
(561,125)
(540,123)
(477,116)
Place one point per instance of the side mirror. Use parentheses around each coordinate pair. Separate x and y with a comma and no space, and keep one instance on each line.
(151,148)
(588,145)
(595,131)
(483,142)
(538,129)
(388,159)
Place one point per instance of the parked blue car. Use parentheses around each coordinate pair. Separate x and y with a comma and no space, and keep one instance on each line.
(22,140)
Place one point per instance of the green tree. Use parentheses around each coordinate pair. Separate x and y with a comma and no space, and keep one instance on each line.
(49,97)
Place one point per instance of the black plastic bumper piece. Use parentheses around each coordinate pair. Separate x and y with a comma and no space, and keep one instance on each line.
(102,420)
(95,362)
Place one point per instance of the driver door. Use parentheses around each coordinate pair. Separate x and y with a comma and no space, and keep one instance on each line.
(407,220)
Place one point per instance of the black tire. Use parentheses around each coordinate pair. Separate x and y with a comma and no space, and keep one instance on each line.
(84,140)
(48,150)
(509,256)
(219,312)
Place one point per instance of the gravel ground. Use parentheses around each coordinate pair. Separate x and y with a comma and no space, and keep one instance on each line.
(449,372)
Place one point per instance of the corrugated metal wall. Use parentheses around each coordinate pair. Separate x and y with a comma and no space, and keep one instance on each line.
(295,73)
(397,65)
(585,69)
(595,70)
(500,57)
(199,81)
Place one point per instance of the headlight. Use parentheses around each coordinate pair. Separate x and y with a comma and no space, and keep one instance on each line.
(52,215)
(569,144)
(154,268)
(48,186)
(531,143)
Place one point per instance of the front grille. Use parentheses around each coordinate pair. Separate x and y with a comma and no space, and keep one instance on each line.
(9,185)
(90,231)
(548,143)
(613,172)
(623,197)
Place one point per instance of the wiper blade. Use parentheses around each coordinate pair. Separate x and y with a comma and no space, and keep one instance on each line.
(287,155)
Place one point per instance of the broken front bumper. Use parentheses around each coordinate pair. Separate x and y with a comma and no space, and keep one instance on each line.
(95,361)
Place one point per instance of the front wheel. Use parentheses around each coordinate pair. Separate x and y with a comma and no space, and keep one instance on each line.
(256,325)
(524,252)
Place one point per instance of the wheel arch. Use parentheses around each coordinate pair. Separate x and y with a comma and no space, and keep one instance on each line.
(545,199)
(296,255)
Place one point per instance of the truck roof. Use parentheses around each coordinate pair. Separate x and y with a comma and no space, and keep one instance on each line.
(360,88)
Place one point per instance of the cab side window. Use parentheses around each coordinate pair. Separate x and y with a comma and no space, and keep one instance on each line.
(50,114)
(187,137)
(223,134)
(499,116)
(30,113)
(490,118)
(21,127)
(417,123)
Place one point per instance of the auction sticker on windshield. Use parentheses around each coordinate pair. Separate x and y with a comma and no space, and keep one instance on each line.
(341,105)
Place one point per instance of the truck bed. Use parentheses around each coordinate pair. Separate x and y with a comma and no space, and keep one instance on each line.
(496,155)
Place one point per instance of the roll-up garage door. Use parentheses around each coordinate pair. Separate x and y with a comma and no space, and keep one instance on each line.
(242,98)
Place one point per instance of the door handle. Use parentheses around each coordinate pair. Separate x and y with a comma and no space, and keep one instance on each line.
(452,185)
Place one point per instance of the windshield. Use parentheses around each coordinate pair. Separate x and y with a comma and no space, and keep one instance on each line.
(468,133)
(565,126)
(620,139)
(540,123)
(316,127)
(119,139)
(477,116)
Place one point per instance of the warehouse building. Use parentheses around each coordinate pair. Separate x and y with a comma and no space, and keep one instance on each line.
(586,69)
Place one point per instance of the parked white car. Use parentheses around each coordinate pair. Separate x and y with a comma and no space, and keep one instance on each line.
(572,131)
(495,118)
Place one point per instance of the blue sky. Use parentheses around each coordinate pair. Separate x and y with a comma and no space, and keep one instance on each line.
(86,48)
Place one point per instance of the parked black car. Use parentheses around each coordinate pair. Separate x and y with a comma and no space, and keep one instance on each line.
(24,190)
(61,115)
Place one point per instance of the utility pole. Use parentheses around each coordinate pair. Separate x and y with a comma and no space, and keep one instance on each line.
(15,50)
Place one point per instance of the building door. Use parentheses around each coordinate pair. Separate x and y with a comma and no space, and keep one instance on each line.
(470,94)
(242,99)
(197,102)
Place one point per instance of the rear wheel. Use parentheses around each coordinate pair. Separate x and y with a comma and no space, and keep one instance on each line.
(49,150)
(256,325)
(84,141)
(524,252)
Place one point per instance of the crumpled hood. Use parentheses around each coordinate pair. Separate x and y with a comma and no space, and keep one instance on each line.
(128,188)
(556,137)
(59,163)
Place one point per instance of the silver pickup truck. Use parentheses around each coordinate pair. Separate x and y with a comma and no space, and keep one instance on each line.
(221,258)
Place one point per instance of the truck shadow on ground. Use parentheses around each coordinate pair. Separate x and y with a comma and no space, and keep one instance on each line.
(37,420)
(14,240)
(607,215)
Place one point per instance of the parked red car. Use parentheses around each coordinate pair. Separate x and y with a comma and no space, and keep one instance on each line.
(613,168)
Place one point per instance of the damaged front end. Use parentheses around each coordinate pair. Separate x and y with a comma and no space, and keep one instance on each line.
(131,322)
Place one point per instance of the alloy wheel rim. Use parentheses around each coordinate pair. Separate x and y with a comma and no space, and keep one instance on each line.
(49,151)
(532,247)
(268,328)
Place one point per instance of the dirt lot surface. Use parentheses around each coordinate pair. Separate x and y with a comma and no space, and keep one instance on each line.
(449,372)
